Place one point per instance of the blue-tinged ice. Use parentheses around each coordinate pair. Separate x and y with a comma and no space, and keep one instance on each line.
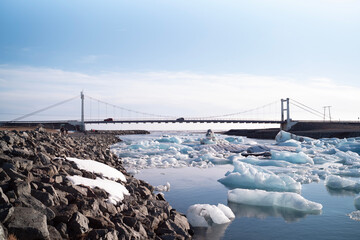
(339,183)
(298,158)
(357,202)
(278,199)
(254,177)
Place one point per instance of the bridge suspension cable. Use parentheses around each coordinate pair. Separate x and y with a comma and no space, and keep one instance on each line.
(243,112)
(307,108)
(44,109)
(129,110)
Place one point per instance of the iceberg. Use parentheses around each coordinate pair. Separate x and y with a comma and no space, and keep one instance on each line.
(339,183)
(163,188)
(279,199)
(297,158)
(205,215)
(253,177)
(357,202)
(284,136)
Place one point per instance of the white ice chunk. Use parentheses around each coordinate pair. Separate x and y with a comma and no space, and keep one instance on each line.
(355,215)
(283,136)
(336,182)
(247,176)
(163,188)
(204,215)
(97,167)
(348,158)
(167,139)
(298,158)
(290,143)
(116,190)
(264,198)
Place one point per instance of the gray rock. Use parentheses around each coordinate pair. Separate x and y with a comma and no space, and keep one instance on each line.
(6,211)
(21,188)
(64,213)
(62,228)
(31,202)
(45,159)
(3,197)
(103,234)
(23,164)
(21,152)
(27,223)
(46,198)
(78,224)
(14,174)
(54,233)
(3,232)
(100,223)
(5,147)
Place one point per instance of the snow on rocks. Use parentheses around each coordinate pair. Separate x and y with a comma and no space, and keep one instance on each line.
(279,199)
(339,183)
(247,176)
(116,190)
(97,167)
(205,215)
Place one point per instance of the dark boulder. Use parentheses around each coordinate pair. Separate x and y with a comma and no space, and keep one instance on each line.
(27,223)
(78,224)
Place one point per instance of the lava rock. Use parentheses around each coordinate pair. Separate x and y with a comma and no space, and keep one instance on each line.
(27,223)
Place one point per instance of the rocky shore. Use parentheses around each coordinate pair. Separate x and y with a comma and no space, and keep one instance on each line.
(37,200)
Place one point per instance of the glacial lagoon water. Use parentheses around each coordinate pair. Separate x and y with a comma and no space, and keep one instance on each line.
(193,171)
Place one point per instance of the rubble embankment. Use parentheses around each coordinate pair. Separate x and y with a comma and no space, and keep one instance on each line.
(37,200)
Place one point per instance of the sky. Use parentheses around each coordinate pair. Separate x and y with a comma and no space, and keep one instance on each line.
(179,58)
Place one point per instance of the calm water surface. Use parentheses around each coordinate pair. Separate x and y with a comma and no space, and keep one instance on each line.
(192,185)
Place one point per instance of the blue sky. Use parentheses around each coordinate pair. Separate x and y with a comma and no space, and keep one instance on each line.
(287,42)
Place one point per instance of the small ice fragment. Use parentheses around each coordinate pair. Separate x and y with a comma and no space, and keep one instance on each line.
(279,199)
(355,215)
(163,188)
(336,182)
(205,215)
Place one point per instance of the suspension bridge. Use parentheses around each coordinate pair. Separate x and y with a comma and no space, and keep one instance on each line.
(283,115)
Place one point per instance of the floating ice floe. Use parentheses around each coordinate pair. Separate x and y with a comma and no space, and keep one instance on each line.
(205,215)
(283,136)
(339,183)
(163,188)
(97,167)
(116,190)
(279,199)
(247,176)
(297,158)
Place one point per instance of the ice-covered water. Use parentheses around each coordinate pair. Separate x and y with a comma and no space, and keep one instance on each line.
(319,171)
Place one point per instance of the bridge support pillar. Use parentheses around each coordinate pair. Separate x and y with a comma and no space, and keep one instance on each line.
(288,123)
(82,112)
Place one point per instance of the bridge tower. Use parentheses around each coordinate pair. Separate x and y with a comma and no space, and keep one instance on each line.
(288,123)
(82,111)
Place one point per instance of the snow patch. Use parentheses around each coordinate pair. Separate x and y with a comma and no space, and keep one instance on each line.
(97,167)
(116,190)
